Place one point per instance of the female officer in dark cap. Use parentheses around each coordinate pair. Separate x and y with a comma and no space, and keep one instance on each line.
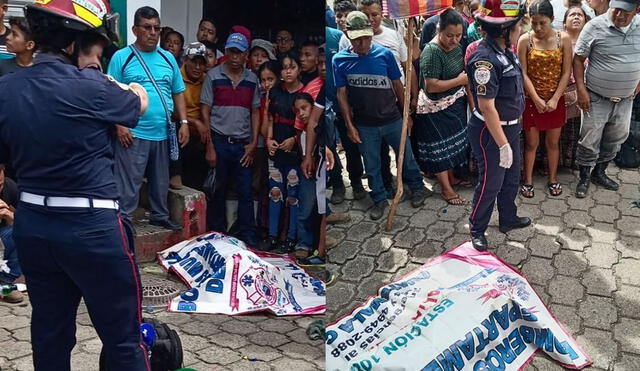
(495,78)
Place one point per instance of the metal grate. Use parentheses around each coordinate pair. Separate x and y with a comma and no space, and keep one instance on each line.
(157,291)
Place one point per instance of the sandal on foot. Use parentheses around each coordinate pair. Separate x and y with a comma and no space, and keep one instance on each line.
(526,190)
(555,189)
(462,183)
(455,200)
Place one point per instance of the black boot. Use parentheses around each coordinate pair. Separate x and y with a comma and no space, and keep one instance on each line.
(583,183)
(599,177)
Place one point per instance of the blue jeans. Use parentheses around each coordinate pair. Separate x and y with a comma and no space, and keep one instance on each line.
(280,191)
(228,165)
(372,138)
(307,204)
(10,255)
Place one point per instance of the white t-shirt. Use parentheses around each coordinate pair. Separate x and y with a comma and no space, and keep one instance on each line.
(389,39)
(558,14)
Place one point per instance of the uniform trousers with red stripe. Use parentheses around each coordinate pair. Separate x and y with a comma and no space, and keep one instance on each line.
(495,183)
(69,254)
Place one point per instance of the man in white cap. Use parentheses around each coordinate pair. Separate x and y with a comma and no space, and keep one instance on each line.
(606,89)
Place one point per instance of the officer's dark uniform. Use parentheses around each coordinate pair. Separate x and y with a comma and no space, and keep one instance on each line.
(57,124)
(495,73)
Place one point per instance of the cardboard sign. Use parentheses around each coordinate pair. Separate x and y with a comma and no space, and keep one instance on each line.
(224,276)
(464,310)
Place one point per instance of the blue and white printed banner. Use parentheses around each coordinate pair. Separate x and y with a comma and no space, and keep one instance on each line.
(224,276)
(464,310)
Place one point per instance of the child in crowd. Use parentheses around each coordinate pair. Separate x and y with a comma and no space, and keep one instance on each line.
(268,74)
(284,153)
(20,43)
(173,42)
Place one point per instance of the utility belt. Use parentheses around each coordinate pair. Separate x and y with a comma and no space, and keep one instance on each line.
(610,99)
(503,123)
(232,140)
(77,202)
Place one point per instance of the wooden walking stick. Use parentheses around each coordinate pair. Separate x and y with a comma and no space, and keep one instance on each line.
(405,114)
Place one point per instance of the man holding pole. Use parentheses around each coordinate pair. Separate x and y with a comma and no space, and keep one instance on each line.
(369,92)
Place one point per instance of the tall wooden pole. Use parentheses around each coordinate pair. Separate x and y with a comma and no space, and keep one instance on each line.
(405,114)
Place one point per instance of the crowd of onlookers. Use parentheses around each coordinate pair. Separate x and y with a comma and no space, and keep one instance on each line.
(245,115)
(581,68)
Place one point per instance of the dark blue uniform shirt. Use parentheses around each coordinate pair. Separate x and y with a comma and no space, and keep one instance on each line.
(57,127)
(496,73)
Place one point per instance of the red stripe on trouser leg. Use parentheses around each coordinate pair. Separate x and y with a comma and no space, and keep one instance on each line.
(484,178)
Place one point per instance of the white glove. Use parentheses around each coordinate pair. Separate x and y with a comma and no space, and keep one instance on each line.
(506,156)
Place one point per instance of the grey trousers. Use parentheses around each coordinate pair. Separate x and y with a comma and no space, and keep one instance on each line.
(143,157)
(603,130)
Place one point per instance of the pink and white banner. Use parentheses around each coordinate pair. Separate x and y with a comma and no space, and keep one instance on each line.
(224,276)
(463,310)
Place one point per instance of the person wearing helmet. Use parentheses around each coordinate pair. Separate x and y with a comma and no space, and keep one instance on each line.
(496,83)
(58,133)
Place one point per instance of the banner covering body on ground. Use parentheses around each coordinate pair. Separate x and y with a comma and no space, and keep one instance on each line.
(226,277)
(463,310)
(411,8)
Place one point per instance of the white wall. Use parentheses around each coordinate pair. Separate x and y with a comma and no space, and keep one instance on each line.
(182,16)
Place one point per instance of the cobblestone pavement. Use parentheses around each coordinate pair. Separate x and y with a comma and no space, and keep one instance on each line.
(210,341)
(581,255)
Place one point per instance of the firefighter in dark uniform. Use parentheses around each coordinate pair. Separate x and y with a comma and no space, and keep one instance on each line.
(56,126)
(496,82)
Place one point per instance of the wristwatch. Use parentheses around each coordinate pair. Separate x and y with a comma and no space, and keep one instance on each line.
(182,122)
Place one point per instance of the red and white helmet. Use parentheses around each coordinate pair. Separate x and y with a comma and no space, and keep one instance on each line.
(500,13)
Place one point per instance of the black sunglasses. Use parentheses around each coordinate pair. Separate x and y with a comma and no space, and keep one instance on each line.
(148,27)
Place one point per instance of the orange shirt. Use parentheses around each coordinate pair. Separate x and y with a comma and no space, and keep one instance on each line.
(192,95)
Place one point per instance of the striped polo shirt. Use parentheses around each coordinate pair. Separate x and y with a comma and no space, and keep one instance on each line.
(614,56)
(231,104)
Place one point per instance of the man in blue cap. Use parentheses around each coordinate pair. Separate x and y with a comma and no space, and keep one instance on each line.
(230,104)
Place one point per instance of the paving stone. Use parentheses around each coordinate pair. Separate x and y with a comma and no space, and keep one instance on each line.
(263,353)
(391,260)
(200,328)
(193,342)
(218,355)
(512,252)
(605,197)
(362,231)
(570,263)
(299,335)
(402,272)
(599,281)
(376,245)
(423,218)
(22,334)
(573,239)
(405,209)
(567,316)
(5,335)
(11,322)
(370,285)
(523,234)
(85,332)
(453,213)
(600,346)
(581,203)
(247,365)
(544,246)
(627,362)
(628,207)
(542,363)
(21,309)
(538,270)
(629,247)
(497,238)
(425,251)
(602,232)
(565,290)
(340,294)
(225,339)
(409,237)
(239,327)
(629,226)
(598,312)
(627,270)
(627,333)
(540,290)
(554,207)
(16,349)
(532,211)
(577,219)
(344,251)
(439,231)
(336,233)
(602,255)
(605,213)
(303,351)
(627,190)
(80,360)
(91,346)
(23,364)
(398,224)
(281,325)
(358,268)
(293,364)
(627,300)
(629,176)
(177,318)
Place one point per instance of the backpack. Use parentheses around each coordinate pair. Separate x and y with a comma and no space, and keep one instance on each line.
(629,154)
(166,352)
